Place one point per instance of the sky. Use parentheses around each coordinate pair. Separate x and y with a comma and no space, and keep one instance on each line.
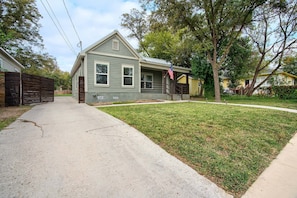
(92,19)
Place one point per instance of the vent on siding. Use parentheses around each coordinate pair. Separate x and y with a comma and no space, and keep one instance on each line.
(115,44)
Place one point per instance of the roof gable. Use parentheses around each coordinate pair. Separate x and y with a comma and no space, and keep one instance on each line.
(8,56)
(279,73)
(104,45)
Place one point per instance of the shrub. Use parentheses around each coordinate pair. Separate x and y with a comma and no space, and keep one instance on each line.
(285,92)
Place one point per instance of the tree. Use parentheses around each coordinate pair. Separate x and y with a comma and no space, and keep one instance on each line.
(19,36)
(137,24)
(215,25)
(290,64)
(175,47)
(201,69)
(19,26)
(273,33)
(48,67)
(159,44)
(239,62)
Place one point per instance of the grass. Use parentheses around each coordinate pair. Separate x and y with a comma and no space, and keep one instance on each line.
(260,100)
(230,145)
(59,95)
(10,114)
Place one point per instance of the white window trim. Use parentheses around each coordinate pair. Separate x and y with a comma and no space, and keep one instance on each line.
(95,72)
(128,66)
(145,74)
(117,42)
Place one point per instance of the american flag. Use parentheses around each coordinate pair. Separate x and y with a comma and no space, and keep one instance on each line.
(170,72)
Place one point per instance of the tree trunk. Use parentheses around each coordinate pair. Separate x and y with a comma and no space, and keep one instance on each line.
(215,69)
(252,85)
(216,82)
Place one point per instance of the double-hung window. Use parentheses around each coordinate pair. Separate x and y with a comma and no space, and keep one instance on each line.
(146,81)
(127,76)
(101,73)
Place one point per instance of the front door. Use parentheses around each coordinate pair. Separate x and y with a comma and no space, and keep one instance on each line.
(81,89)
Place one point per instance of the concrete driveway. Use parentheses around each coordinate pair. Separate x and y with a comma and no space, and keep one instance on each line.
(66,149)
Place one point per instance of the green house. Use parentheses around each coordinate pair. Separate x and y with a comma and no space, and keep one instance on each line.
(111,70)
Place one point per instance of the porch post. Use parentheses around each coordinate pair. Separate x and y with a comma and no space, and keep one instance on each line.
(164,81)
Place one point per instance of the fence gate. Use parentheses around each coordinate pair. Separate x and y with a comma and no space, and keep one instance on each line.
(12,88)
(81,89)
(37,89)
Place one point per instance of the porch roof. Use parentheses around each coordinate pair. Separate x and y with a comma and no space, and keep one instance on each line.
(161,64)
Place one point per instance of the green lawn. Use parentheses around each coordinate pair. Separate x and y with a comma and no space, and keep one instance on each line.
(230,145)
(58,95)
(258,100)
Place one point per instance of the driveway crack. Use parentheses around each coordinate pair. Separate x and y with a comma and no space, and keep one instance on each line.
(106,127)
(35,124)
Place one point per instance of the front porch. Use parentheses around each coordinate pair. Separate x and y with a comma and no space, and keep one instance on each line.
(155,79)
(158,82)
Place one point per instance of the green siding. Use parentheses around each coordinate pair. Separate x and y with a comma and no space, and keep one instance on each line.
(115,74)
(106,48)
(157,81)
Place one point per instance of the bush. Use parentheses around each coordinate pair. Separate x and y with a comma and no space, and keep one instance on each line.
(285,92)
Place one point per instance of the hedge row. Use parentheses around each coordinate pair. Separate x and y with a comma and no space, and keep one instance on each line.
(285,92)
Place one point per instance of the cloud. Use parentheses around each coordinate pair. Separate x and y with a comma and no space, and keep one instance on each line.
(93,20)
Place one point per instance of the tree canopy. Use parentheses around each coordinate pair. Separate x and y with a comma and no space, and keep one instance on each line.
(20,37)
(290,64)
(214,24)
(19,28)
(273,33)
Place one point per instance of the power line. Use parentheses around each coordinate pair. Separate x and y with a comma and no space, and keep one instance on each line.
(60,26)
(80,43)
(64,36)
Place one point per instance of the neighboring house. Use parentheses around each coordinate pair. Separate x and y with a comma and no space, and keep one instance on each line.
(195,85)
(280,78)
(8,63)
(111,70)
(10,90)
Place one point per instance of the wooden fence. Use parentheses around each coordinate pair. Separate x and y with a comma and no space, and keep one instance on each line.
(25,89)
(2,89)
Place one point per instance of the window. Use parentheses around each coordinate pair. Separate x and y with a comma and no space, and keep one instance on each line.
(146,81)
(128,76)
(115,44)
(101,73)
